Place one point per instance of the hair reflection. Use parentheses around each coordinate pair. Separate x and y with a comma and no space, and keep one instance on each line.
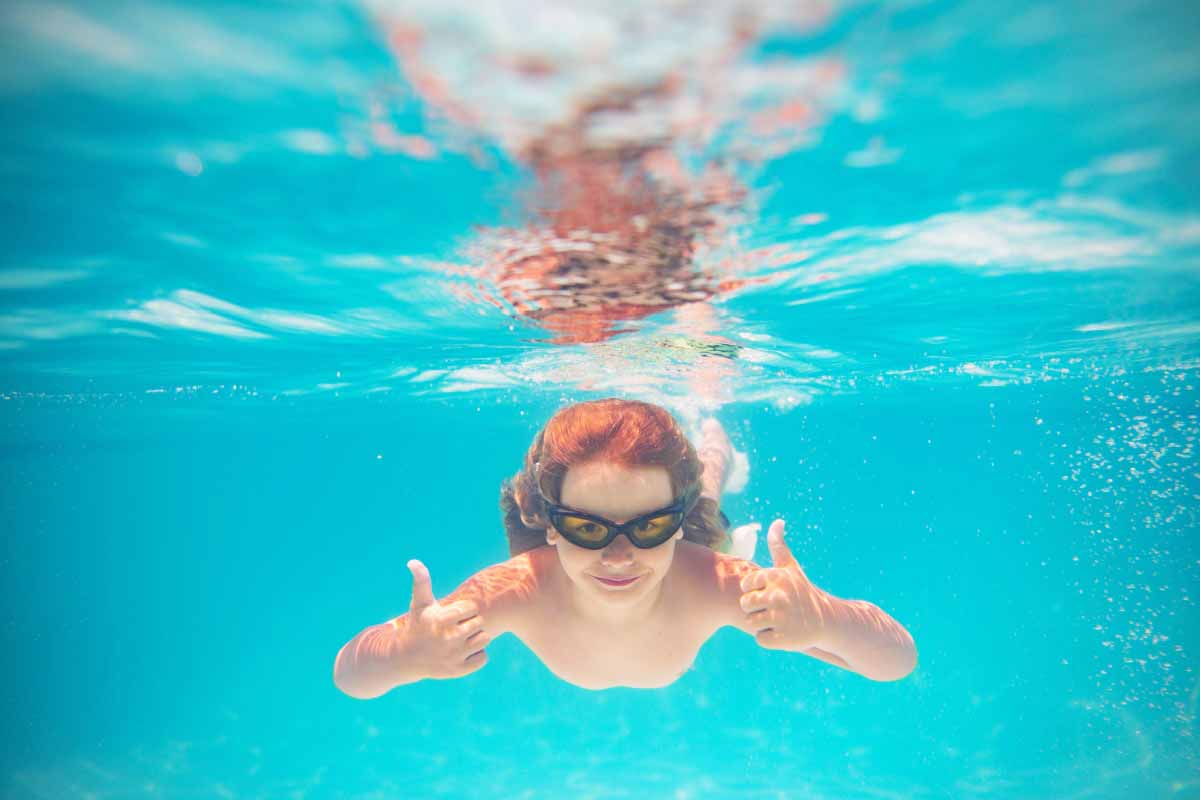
(638,174)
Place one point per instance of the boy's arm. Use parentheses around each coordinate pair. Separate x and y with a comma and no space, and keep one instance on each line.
(729,571)
(783,610)
(436,638)
(866,639)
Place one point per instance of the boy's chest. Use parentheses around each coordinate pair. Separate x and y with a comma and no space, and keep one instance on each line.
(653,655)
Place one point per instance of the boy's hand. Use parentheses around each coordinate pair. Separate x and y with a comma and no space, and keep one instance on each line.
(440,641)
(783,608)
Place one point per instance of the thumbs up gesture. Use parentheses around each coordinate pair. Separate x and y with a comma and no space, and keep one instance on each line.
(783,609)
(440,640)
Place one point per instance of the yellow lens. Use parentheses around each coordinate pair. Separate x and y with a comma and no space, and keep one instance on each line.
(656,526)
(583,529)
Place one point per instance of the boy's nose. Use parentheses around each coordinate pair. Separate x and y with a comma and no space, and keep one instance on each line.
(620,551)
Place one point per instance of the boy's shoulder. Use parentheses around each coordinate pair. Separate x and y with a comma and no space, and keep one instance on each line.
(503,590)
(711,581)
(503,581)
(710,567)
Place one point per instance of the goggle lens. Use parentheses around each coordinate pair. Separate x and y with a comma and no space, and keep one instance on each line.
(584,530)
(652,529)
(590,533)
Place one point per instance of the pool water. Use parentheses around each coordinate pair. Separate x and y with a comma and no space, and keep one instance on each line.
(287,291)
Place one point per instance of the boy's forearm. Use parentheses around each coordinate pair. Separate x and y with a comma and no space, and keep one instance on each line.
(868,641)
(367,666)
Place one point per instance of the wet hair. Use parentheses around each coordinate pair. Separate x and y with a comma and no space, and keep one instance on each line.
(627,432)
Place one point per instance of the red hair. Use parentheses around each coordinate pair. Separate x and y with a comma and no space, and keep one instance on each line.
(627,432)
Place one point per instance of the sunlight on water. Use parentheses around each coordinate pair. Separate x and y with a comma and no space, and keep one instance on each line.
(648,176)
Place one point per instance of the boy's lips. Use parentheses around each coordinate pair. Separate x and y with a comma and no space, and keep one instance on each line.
(623,581)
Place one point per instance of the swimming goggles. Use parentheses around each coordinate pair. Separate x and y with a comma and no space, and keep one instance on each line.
(596,533)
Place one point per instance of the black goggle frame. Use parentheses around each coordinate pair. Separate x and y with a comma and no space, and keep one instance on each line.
(679,509)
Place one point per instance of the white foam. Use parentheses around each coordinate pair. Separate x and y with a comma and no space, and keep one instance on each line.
(745,540)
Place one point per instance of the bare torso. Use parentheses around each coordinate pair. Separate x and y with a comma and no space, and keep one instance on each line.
(647,651)
(645,640)
(529,596)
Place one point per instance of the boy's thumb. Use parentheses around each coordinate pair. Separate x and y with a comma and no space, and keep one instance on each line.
(422,589)
(781,554)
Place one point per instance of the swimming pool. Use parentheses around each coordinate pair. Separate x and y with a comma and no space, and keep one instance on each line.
(286,292)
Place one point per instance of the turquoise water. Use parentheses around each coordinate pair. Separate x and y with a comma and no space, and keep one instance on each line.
(263,340)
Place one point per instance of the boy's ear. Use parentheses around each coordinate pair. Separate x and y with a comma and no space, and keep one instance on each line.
(551,536)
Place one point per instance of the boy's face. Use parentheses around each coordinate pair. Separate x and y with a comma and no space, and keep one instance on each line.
(617,493)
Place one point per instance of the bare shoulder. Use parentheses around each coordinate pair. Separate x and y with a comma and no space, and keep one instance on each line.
(712,580)
(710,568)
(505,592)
